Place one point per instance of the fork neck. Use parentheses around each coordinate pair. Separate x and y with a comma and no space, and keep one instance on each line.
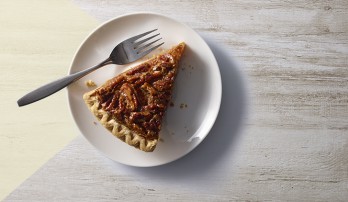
(91,69)
(107,61)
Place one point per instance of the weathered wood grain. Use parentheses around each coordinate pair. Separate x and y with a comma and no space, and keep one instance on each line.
(293,145)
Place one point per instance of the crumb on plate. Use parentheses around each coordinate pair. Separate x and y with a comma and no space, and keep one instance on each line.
(90,83)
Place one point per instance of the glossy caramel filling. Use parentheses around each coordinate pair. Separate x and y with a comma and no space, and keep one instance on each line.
(139,97)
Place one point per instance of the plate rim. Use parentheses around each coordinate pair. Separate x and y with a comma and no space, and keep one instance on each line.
(218,87)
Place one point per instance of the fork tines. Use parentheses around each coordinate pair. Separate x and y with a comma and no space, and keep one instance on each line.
(143,48)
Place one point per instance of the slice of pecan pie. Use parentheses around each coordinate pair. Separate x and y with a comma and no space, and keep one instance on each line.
(131,105)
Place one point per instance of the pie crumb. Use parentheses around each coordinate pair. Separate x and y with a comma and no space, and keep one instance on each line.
(183,105)
(161,140)
(171,104)
(90,83)
(95,123)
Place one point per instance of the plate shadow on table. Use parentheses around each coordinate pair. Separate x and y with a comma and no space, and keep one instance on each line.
(216,149)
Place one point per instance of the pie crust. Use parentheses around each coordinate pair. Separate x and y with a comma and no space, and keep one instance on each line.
(115,110)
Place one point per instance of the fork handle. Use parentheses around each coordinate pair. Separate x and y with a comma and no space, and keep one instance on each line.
(57,85)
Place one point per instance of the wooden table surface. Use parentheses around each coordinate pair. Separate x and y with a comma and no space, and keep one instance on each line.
(282,131)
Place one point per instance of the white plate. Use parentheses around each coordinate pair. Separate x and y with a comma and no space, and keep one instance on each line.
(198,86)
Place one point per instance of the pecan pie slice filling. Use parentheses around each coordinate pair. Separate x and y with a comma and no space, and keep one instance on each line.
(138,98)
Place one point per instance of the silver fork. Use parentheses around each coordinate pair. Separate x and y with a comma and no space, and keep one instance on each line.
(125,52)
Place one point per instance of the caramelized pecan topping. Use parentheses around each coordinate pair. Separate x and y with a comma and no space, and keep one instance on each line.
(139,97)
